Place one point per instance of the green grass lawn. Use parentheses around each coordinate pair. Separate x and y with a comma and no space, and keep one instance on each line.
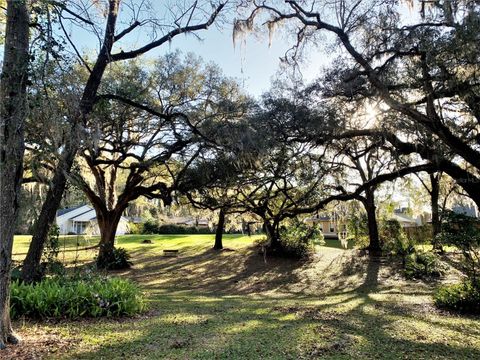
(234,305)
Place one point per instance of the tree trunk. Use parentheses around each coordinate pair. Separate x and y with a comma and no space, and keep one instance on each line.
(219,232)
(434,196)
(55,193)
(108,223)
(31,269)
(370,208)
(13,111)
(273,236)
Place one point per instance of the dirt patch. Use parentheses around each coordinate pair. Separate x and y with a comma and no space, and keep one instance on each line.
(38,344)
(180,342)
(338,345)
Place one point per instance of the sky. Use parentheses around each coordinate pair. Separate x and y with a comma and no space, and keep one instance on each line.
(252,62)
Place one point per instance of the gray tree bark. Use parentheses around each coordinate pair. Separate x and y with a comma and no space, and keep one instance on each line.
(57,188)
(369,203)
(13,111)
(87,102)
(434,196)
(219,232)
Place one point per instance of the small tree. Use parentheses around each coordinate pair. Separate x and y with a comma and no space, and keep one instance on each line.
(464,232)
(142,147)
(191,16)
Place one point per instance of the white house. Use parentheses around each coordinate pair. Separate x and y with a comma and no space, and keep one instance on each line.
(82,219)
(406,221)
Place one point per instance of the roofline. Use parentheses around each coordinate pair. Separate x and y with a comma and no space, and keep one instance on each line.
(91,209)
(72,209)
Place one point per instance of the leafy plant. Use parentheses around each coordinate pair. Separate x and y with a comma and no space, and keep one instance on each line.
(297,239)
(463,232)
(151,227)
(51,264)
(62,297)
(463,297)
(120,260)
(134,228)
(423,265)
(395,240)
(358,230)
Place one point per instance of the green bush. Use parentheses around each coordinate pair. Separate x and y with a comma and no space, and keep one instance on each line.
(121,260)
(358,230)
(394,239)
(174,229)
(423,265)
(463,232)
(178,229)
(463,297)
(420,234)
(297,240)
(51,264)
(136,229)
(62,297)
(151,227)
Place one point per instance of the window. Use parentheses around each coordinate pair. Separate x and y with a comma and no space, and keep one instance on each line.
(332,228)
(79,227)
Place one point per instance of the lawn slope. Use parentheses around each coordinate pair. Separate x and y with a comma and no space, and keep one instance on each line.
(234,305)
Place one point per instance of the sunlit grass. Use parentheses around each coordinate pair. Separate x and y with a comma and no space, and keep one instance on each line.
(233,305)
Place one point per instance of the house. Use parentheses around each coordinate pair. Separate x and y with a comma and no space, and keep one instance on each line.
(330,226)
(82,220)
(135,219)
(327,224)
(405,221)
(468,210)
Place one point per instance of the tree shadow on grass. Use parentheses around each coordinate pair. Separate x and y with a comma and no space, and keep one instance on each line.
(210,271)
(280,328)
(235,306)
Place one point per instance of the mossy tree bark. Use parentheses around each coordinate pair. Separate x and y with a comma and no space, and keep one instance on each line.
(84,109)
(219,232)
(13,112)
(369,204)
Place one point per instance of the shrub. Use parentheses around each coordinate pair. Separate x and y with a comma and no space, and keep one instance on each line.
(297,240)
(423,265)
(134,228)
(61,297)
(394,239)
(463,297)
(121,260)
(172,229)
(51,264)
(150,227)
(358,230)
(463,232)
(420,234)
(178,229)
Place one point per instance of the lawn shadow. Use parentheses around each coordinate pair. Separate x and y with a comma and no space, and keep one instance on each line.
(209,271)
(284,327)
(207,304)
